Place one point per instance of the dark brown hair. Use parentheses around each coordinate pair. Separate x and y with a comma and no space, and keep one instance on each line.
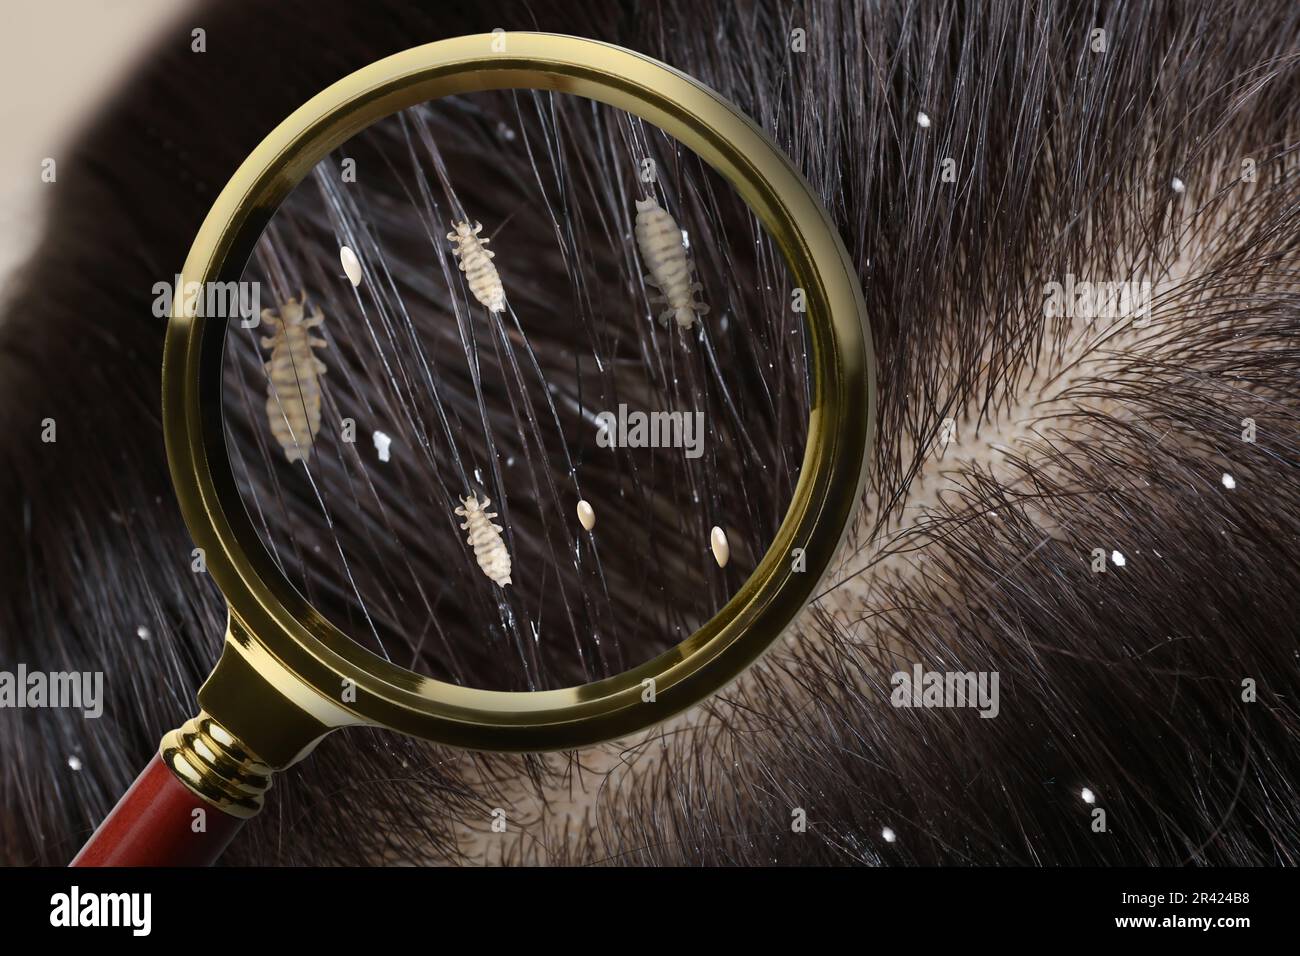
(1013,446)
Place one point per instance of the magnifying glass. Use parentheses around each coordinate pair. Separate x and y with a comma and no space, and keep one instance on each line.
(510,641)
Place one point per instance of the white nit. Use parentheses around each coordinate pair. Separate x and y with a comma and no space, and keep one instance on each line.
(1117,559)
(721,549)
(1178,185)
(587,515)
(382,442)
(1087,795)
(923,121)
(888,835)
(142,632)
(351,265)
(74,763)
(1229,482)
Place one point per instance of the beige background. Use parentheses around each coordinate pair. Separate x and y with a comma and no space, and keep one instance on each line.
(59,61)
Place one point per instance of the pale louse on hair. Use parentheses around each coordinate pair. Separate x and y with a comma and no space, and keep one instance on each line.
(660,240)
(485,537)
(293,378)
(476,263)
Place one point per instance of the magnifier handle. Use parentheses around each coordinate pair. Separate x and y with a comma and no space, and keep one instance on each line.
(207,778)
(159,822)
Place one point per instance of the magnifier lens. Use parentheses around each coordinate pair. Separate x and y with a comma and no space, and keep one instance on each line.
(469,437)
(524,457)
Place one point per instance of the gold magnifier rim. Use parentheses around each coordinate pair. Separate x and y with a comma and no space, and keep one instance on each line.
(268,611)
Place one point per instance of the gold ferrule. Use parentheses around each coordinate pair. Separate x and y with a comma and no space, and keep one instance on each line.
(216,766)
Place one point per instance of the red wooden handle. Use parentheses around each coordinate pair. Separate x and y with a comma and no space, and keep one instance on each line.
(155,824)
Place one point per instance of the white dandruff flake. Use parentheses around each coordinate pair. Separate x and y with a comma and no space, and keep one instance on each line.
(1229,482)
(142,632)
(1087,795)
(1178,186)
(74,763)
(351,265)
(382,442)
(888,835)
(1117,559)
(922,120)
